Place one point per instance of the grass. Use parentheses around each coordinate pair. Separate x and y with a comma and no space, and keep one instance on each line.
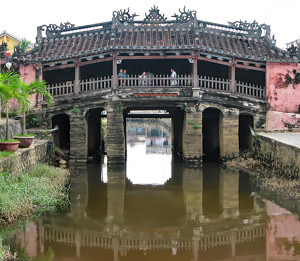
(9,140)
(39,190)
(4,154)
(25,135)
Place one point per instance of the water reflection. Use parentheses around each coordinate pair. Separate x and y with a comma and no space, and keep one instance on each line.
(197,214)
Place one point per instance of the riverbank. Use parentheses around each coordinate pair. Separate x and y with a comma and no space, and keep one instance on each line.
(265,178)
(40,189)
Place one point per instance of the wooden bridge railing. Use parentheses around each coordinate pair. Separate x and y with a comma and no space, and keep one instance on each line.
(161,81)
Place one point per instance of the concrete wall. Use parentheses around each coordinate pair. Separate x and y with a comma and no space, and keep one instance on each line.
(279,156)
(283,97)
(26,158)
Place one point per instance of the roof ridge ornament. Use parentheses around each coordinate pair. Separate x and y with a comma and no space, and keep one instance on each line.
(53,30)
(254,28)
(185,15)
(154,15)
(124,15)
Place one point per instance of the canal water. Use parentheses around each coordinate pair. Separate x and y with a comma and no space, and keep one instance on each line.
(155,208)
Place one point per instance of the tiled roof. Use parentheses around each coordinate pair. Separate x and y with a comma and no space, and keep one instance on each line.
(154,35)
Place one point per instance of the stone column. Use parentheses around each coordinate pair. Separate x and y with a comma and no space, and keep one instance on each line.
(116,145)
(192,135)
(229,193)
(229,134)
(78,139)
(192,191)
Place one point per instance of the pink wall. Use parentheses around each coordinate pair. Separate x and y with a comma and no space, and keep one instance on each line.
(283,98)
(28,74)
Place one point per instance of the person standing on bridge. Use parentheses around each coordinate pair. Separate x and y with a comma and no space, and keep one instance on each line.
(173,77)
(121,75)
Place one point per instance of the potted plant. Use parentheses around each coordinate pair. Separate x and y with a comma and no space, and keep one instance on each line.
(10,88)
(36,87)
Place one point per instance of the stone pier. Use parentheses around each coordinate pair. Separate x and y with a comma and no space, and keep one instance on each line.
(192,136)
(116,143)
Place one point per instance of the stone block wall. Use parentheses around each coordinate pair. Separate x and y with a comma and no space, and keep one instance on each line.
(192,136)
(279,156)
(26,158)
(14,128)
(229,135)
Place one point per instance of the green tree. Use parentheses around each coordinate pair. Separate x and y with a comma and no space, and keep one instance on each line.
(10,87)
(36,87)
(25,44)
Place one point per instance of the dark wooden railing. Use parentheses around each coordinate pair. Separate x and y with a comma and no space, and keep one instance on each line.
(159,81)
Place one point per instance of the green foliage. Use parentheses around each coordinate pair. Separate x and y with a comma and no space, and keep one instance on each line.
(11,140)
(119,108)
(76,110)
(13,113)
(195,126)
(32,122)
(39,190)
(25,44)
(183,106)
(4,154)
(25,135)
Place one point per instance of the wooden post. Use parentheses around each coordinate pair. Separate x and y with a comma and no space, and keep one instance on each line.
(77,78)
(115,71)
(232,76)
(195,70)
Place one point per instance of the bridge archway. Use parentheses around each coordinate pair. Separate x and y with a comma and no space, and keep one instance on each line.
(95,139)
(245,137)
(211,130)
(62,136)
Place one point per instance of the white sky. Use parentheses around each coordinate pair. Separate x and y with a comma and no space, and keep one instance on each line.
(20,18)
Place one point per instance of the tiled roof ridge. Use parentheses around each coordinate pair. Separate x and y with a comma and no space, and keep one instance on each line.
(243,40)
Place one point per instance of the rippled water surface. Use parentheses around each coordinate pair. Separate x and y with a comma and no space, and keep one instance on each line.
(155,208)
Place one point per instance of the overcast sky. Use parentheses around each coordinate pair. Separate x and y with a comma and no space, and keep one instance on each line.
(23,17)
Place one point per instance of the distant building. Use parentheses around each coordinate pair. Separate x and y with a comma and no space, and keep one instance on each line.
(10,39)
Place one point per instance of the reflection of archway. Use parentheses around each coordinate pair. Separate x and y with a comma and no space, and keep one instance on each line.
(93,117)
(62,136)
(245,137)
(246,200)
(211,133)
(212,207)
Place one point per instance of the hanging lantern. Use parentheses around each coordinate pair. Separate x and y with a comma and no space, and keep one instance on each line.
(8,65)
(7,53)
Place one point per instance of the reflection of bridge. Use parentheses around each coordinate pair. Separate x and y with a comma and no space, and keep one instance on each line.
(128,241)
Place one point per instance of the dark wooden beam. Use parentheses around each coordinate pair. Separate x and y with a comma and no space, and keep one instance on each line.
(250,67)
(155,57)
(58,67)
(213,61)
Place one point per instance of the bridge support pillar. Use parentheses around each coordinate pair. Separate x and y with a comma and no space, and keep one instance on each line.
(229,193)
(115,136)
(193,192)
(115,193)
(229,134)
(192,136)
(78,139)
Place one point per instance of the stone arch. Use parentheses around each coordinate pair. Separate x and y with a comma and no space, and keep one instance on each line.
(246,121)
(62,135)
(212,128)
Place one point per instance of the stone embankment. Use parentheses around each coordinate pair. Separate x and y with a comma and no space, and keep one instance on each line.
(14,128)
(275,168)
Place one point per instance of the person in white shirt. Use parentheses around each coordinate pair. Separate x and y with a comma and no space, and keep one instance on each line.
(173,76)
